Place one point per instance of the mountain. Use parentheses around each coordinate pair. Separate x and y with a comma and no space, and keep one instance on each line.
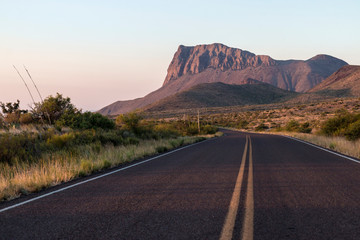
(343,83)
(220,95)
(218,63)
(233,66)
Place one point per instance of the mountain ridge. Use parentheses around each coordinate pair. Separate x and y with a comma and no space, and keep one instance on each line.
(344,82)
(211,63)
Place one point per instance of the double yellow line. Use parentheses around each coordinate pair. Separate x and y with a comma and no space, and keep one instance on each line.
(248,222)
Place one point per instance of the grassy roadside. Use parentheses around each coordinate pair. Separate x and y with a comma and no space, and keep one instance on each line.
(53,169)
(338,144)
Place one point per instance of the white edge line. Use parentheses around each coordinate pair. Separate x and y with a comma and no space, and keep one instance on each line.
(322,148)
(101,176)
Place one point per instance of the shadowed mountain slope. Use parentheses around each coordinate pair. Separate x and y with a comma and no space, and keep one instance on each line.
(343,83)
(220,95)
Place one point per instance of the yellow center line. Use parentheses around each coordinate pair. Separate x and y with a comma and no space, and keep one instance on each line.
(248,224)
(228,227)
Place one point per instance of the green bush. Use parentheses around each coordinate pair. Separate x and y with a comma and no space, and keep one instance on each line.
(191,129)
(261,127)
(166,130)
(87,120)
(295,126)
(208,129)
(344,124)
(292,126)
(113,137)
(337,125)
(20,147)
(53,108)
(353,131)
(161,149)
(305,128)
(129,121)
(61,141)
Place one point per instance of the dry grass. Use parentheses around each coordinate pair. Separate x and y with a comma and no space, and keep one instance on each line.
(23,178)
(338,144)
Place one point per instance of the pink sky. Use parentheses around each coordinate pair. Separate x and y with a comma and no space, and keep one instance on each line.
(99,52)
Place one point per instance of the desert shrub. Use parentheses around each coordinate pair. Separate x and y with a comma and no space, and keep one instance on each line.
(85,137)
(129,121)
(177,142)
(87,120)
(242,124)
(12,118)
(96,120)
(131,141)
(166,130)
(61,141)
(295,126)
(113,137)
(305,128)
(208,129)
(26,118)
(353,131)
(161,149)
(2,122)
(20,147)
(261,127)
(292,126)
(192,129)
(340,124)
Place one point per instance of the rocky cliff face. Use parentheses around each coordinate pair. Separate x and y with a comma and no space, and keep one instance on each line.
(234,66)
(192,60)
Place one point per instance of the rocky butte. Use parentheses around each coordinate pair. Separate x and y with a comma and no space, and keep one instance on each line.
(218,63)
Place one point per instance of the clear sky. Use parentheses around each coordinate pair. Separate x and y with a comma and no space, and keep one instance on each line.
(98,52)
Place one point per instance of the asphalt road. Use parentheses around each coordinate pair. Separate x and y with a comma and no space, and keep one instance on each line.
(240,186)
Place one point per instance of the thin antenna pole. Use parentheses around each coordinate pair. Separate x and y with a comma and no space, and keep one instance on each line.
(25,85)
(42,101)
(34,84)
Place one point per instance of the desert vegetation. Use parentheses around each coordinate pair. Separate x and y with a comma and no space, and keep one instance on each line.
(332,124)
(55,142)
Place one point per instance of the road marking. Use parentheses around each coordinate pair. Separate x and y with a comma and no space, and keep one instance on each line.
(324,149)
(248,224)
(95,178)
(228,228)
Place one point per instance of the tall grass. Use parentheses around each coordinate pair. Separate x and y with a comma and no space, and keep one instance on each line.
(338,144)
(52,169)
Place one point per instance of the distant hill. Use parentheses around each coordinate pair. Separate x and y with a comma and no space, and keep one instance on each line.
(218,63)
(343,83)
(220,95)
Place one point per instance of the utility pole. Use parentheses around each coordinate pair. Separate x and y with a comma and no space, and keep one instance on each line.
(198,120)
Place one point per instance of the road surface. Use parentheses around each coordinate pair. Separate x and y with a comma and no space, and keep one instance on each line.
(239,186)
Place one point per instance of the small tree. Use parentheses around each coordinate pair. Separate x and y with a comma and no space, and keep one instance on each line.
(129,121)
(52,108)
(12,111)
